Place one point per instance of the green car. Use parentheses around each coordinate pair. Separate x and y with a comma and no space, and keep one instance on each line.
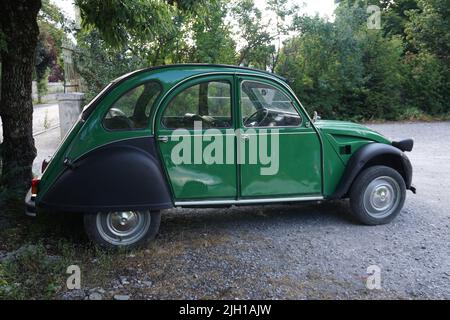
(197,135)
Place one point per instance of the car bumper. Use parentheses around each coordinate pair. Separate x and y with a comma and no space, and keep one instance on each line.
(30,204)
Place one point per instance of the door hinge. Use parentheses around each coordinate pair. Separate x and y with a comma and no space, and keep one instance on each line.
(68,163)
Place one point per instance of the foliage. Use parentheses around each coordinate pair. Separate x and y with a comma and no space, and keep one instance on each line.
(48,61)
(39,252)
(42,85)
(395,17)
(428,28)
(282,11)
(257,46)
(2,42)
(340,68)
(188,39)
(429,83)
(344,70)
(427,63)
(29,275)
(212,37)
(51,14)
(120,22)
(98,63)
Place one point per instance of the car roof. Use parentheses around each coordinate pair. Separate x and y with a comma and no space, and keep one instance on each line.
(202,66)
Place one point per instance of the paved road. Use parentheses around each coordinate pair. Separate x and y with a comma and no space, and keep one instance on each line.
(46,133)
(306,251)
(45,117)
(45,130)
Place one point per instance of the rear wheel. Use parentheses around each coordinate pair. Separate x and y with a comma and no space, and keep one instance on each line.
(122,229)
(377,195)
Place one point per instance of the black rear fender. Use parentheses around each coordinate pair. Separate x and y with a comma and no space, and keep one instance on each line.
(124,175)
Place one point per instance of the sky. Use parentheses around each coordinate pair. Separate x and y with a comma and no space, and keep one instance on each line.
(324,8)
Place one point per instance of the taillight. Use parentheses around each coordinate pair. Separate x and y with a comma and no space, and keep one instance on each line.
(35,186)
(44,165)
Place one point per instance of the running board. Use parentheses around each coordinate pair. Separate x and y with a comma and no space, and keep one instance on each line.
(207,203)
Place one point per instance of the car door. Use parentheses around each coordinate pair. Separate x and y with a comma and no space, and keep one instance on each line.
(279,151)
(196,139)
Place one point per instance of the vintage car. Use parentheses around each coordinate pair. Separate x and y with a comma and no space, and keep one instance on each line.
(197,135)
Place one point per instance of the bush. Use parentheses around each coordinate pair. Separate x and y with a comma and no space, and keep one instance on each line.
(427,83)
(42,85)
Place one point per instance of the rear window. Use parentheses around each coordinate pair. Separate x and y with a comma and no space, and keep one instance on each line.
(132,110)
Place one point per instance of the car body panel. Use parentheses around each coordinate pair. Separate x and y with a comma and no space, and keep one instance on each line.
(325,148)
(299,162)
(197,179)
(117,176)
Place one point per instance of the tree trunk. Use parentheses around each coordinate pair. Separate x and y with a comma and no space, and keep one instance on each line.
(18,22)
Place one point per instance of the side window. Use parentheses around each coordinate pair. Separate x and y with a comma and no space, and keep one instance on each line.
(132,110)
(207,102)
(263,105)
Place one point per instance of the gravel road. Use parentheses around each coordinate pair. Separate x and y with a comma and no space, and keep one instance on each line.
(305,251)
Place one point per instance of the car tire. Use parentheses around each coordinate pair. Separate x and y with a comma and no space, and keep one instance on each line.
(122,229)
(377,195)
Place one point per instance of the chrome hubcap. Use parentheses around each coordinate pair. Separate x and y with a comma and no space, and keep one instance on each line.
(122,223)
(123,227)
(381,197)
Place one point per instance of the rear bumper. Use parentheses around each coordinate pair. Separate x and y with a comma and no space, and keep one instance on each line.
(30,204)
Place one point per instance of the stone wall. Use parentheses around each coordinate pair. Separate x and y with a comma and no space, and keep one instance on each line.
(70,107)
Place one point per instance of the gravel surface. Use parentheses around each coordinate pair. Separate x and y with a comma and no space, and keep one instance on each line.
(302,251)
(305,251)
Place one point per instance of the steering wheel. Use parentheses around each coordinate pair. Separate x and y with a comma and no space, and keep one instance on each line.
(254,114)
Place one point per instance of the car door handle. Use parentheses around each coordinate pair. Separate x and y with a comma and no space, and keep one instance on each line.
(163,139)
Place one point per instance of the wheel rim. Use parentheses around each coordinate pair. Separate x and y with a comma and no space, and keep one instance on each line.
(381,197)
(123,227)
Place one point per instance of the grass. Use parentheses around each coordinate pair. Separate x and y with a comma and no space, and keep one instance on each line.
(46,121)
(39,250)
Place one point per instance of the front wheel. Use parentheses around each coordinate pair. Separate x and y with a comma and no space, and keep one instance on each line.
(122,229)
(377,195)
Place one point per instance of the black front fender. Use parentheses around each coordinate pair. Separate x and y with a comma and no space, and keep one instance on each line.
(124,175)
(373,153)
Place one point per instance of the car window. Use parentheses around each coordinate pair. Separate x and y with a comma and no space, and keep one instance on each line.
(132,109)
(206,102)
(263,105)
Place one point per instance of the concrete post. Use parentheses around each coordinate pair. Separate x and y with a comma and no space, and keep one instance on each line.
(70,107)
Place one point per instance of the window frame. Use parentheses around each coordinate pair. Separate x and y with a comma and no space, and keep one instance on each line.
(275,86)
(149,119)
